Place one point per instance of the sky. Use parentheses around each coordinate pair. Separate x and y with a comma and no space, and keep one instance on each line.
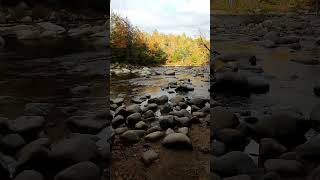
(167,16)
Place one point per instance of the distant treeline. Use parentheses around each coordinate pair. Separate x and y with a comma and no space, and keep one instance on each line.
(99,5)
(131,45)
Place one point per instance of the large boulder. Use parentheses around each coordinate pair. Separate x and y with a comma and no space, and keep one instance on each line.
(284,167)
(223,118)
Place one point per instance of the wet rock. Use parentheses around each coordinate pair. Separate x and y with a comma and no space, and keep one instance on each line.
(27,124)
(12,142)
(223,118)
(141,125)
(134,108)
(177,140)
(37,109)
(270,148)
(284,167)
(149,156)
(170,73)
(166,122)
(131,136)
(232,138)
(218,148)
(253,60)
(154,136)
(118,120)
(288,40)
(79,32)
(148,114)
(238,177)
(133,119)
(183,130)
(75,149)
(4,125)
(29,174)
(26,19)
(81,171)
(199,114)
(117,100)
(289,156)
(233,163)
(28,34)
(194,108)
(214,176)
(315,174)
(152,107)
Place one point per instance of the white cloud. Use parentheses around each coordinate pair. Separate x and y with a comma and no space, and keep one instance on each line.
(167,16)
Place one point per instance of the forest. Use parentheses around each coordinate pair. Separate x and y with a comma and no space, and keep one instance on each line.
(131,45)
(263,5)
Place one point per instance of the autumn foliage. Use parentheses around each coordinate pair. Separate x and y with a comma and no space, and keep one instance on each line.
(131,45)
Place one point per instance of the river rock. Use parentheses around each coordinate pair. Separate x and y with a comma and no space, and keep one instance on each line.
(183,121)
(81,171)
(170,73)
(118,120)
(75,149)
(117,100)
(286,126)
(86,124)
(120,130)
(310,149)
(162,99)
(169,131)
(148,114)
(134,108)
(37,109)
(2,42)
(149,156)
(133,119)
(183,130)
(28,175)
(238,177)
(141,125)
(315,115)
(184,88)
(270,148)
(12,142)
(154,136)
(316,89)
(223,118)
(80,91)
(267,44)
(131,136)
(284,167)
(166,108)
(232,138)
(153,129)
(166,122)
(34,154)
(306,61)
(232,82)
(175,100)
(258,85)
(7,166)
(177,140)
(272,36)
(27,124)
(198,101)
(233,163)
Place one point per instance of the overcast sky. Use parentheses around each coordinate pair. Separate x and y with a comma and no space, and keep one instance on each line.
(167,16)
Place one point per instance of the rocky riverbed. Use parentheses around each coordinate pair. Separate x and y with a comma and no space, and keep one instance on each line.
(54,121)
(161,117)
(264,116)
